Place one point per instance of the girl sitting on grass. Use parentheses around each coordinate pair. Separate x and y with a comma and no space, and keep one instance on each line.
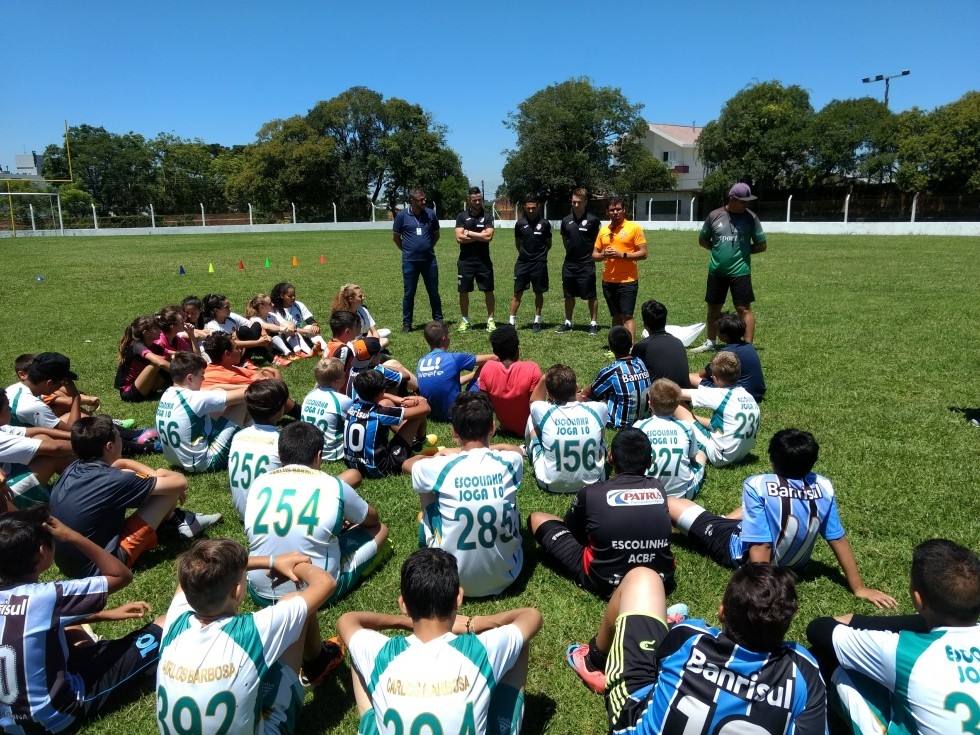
(290,311)
(350,297)
(251,339)
(144,370)
(258,311)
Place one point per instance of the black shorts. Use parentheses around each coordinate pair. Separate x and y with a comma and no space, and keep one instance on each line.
(114,670)
(468,271)
(560,545)
(715,533)
(632,665)
(719,286)
(534,275)
(621,297)
(578,280)
(387,461)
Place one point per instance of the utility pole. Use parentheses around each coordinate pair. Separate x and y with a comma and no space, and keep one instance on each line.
(885,79)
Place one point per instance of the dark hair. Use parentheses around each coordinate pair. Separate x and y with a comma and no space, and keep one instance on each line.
(631,453)
(430,584)
(22,533)
(216,345)
(581,192)
(23,362)
(614,199)
(472,416)
(731,326)
(504,342)
(475,190)
(654,315)
(369,385)
(760,602)
(947,576)
(299,443)
(4,401)
(170,316)
(435,331)
(134,333)
(620,341)
(341,320)
(561,383)
(213,302)
(265,399)
(208,572)
(793,452)
(89,436)
(183,364)
(277,291)
(197,304)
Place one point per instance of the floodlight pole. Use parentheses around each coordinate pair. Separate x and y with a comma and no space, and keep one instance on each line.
(885,78)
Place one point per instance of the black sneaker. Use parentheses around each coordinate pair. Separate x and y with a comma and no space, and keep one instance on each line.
(331,656)
(406,329)
(536,327)
(566,327)
(593,330)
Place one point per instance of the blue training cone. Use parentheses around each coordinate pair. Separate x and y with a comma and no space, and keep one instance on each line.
(182,271)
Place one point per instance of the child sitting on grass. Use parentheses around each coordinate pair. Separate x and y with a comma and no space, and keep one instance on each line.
(326,406)
(781,515)
(191,438)
(441,373)
(373,413)
(623,385)
(676,459)
(55,675)
(729,435)
(240,672)
(29,457)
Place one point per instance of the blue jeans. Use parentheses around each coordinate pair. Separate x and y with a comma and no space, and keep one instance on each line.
(429,270)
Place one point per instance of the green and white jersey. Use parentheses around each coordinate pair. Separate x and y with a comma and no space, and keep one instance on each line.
(185,427)
(474,515)
(732,237)
(295,508)
(254,451)
(673,449)
(26,409)
(569,449)
(934,677)
(210,677)
(327,410)
(734,423)
(443,686)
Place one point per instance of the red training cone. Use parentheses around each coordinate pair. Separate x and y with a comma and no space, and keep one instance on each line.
(323,260)
(241,265)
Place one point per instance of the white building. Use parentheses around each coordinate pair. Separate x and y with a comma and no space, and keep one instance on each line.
(676,146)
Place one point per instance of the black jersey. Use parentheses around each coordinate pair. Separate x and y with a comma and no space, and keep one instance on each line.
(622,523)
(478,222)
(533,239)
(579,236)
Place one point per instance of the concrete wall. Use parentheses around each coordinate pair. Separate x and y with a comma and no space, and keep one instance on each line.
(966,229)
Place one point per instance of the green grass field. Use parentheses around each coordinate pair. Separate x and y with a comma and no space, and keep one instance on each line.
(862,340)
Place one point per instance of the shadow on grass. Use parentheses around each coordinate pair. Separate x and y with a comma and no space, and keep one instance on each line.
(517,587)
(970,414)
(331,702)
(538,711)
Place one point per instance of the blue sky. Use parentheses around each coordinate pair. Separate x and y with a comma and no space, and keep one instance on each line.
(218,71)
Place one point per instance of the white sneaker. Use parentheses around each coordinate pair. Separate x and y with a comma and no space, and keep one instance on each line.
(190,524)
(706,346)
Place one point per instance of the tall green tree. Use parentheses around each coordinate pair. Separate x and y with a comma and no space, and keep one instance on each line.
(852,139)
(940,152)
(116,170)
(575,134)
(759,137)
(186,176)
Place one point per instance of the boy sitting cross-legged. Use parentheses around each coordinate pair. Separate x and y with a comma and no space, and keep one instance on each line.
(326,405)
(693,678)
(255,449)
(623,385)
(226,672)
(453,674)
(369,418)
(54,674)
(782,514)
(469,499)
(676,459)
(193,430)
(93,494)
(299,508)
(729,435)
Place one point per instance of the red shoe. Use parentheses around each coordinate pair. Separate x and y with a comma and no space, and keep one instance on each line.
(317,349)
(576,658)
(280,362)
(248,364)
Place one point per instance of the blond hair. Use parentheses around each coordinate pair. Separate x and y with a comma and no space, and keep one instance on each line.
(726,367)
(665,397)
(327,371)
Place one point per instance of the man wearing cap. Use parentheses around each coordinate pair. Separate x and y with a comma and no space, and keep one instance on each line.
(416,232)
(732,233)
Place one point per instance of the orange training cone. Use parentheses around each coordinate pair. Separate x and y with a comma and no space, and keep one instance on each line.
(295,261)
